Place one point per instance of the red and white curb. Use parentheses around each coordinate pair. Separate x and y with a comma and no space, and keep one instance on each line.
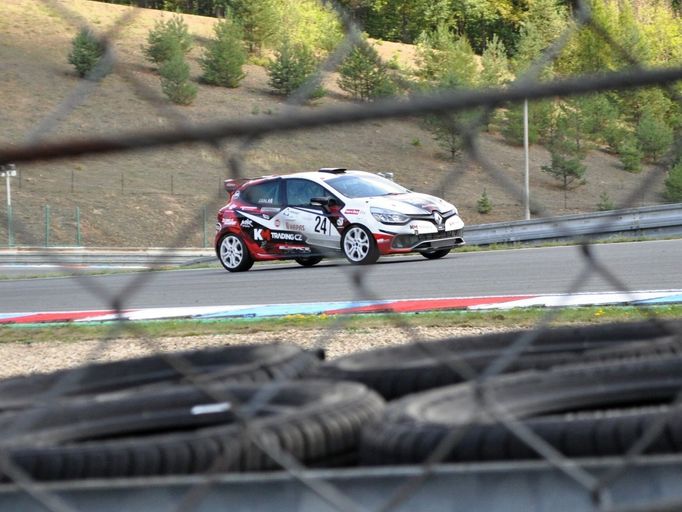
(354,307)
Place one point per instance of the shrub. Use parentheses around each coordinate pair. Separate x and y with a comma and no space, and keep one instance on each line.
(167,38)
(605,203)
(364,76)
(484,205)
(292,66)
(86,51)
(673,183)
(224,56)
(630,154)
(175,80)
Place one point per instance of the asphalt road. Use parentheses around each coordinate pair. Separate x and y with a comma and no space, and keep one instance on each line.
(653,265)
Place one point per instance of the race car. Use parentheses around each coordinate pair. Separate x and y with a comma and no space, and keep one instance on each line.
(308,216)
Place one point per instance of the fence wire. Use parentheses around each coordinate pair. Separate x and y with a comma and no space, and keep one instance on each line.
(249,133)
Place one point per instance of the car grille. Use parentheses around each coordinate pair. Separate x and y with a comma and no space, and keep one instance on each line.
(405,241)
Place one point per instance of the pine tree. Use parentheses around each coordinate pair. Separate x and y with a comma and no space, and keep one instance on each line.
(292,66)
(259,20)
(175,80)
(654,135)
(224,56)
(495,64)
(363,75)
(86,51)
(166,39)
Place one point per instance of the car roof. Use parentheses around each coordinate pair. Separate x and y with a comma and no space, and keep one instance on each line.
(324,176)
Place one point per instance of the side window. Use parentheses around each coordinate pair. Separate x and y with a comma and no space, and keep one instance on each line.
(300,192)
(263,194)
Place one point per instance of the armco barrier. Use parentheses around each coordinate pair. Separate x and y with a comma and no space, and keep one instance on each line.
(650,221)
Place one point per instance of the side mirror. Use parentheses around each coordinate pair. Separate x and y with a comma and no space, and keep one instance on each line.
(324,201)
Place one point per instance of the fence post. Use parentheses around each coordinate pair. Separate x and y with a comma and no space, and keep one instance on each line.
(172,185)
(72,180)
(78,227)
(47,225)
(122,183)
(204,219)
(10,227)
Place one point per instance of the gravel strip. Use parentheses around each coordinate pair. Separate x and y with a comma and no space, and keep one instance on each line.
(28,358)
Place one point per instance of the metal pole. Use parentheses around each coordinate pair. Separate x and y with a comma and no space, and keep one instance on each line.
(205,235)
(526,194)
(47,225)
(9,171)
(78,227)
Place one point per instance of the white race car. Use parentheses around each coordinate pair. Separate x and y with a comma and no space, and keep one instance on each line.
(307,216)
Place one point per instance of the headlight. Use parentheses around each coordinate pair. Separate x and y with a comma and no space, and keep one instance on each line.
(389,216)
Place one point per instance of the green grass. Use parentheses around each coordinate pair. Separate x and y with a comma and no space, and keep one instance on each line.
(516,318)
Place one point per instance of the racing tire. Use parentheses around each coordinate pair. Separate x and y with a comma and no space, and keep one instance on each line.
(308,262)
(237,363)
(400,370)
(435,254)
(359,246)
(233,253)
(581,410)
(188,431)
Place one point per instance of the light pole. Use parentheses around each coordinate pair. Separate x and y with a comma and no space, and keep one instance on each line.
(9,171)
(526,173)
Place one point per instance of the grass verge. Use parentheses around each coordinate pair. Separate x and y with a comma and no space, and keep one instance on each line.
(516,318)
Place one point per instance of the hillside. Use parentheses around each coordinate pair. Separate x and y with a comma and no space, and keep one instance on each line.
(156,198)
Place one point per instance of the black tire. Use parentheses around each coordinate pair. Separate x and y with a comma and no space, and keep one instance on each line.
(435,254)
(233,253)
(315,422)
(399,370)
(586,410)
(358,245)
(309,261)
(238,363)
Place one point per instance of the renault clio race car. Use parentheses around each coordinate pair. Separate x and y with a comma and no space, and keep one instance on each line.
(307,216)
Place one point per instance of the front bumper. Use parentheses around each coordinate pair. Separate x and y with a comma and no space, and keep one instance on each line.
(425,241)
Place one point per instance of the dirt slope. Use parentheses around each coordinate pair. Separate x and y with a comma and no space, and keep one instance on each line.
(157,198)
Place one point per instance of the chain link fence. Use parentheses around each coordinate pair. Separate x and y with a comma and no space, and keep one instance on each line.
(255,415)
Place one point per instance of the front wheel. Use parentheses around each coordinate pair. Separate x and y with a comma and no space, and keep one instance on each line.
(359,246)
(233,254)
(308,262)
(435,254)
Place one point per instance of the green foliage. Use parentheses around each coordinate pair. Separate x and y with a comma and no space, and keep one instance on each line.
(445,59)
(175,80)
(292,66)
(224,56)
(539,118)
(167,39)
(364,76)
(86,51)
(404,20)
(484,205)
(495,64)
(260,21)
(310,23)
(569,170)
(605,204)
(545,21)
(654,135)
(673,183)
(630,153)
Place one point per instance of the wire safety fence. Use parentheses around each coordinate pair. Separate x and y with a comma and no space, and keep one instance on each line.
(236,425)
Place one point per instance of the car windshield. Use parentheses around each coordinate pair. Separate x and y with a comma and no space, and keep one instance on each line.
(365,186)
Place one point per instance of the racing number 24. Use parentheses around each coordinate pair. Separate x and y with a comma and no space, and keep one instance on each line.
(322,225)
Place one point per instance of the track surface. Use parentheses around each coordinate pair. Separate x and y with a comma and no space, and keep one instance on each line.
(638,266)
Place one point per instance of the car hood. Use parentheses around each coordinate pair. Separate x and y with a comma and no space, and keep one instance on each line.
(413,203)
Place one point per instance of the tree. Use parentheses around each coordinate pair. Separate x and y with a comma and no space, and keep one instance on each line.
(259,20)
(654,135)
(673,183)
(86,51)
(569,170)
(166,39)
(224,56)
(363,75)
(175,80)
(446,59)
(484,205)
(545,21)
(495,64)
(292,66)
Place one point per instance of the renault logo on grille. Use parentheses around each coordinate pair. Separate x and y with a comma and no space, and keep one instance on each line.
(438,218)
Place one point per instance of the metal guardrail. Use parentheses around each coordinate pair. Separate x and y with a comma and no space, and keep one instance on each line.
(665,220)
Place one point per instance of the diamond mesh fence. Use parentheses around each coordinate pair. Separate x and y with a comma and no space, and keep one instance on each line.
(624,379)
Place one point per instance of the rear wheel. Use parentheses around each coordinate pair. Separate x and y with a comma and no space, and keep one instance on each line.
(308,262)
(434,254)
(359,246)
(233,254)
